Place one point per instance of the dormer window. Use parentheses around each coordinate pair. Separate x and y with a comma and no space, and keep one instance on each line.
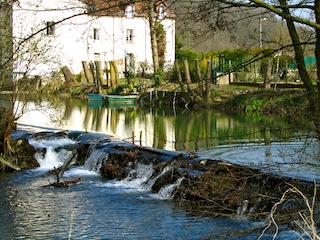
(129,12)
(50,28)
(161,12)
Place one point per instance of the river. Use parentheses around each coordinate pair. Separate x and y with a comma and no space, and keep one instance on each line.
(99,209)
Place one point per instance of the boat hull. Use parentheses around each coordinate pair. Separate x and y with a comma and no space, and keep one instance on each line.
(96,97)
(119,99)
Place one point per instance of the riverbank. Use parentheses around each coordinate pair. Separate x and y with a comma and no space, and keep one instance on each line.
(232,98)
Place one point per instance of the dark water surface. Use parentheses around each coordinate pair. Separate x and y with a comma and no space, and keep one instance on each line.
(99,209)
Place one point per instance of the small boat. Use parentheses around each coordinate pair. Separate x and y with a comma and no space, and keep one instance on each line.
(127,99)
(96,97)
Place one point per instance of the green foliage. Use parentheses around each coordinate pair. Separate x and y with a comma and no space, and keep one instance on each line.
(256,105)
(178,47)
(76,90)
(188,54)
(78,77)
(125,89)
(129,76)
(269,101)
(158,77)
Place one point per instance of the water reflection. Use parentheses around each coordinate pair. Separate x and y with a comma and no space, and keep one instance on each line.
(171,129)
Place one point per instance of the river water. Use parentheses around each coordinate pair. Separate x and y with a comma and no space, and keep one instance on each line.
(99,209)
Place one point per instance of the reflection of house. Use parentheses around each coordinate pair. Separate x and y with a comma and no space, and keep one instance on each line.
(64,33)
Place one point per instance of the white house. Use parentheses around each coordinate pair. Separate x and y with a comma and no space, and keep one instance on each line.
(48,34)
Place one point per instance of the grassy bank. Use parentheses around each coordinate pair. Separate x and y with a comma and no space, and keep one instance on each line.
(232,98)
(265,101)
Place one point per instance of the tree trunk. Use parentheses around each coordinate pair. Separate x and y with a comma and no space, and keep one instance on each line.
(115,73)
(68,76)
(317,55)
(153,35)
(87,72)
(267,77)
(299,57)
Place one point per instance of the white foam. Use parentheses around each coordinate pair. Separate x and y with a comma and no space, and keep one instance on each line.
(51,158)
(80,171)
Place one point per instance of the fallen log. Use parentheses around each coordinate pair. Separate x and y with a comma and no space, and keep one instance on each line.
(64,183)
(59,171)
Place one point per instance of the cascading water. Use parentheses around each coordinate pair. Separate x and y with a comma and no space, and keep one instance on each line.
(153,180)
(95,158)
(53,153)
(166,192)
(47,156)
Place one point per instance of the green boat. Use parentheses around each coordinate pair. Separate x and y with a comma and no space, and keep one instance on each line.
(128,99)
(96,97)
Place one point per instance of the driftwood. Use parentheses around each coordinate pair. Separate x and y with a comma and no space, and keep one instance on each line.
(59,172)
(8,164)
(64,183)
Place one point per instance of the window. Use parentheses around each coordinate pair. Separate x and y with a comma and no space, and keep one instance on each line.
(129,36)
(50,28)
(161,12)
(96,34)
(129,12)
(96,56)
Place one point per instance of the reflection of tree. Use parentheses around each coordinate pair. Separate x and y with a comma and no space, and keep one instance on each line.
(206,129)
(94,117)
(160,138)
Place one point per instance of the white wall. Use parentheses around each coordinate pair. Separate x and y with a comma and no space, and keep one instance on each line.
(73,39)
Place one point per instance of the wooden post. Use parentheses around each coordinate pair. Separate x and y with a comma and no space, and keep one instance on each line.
(268,74)
(208,80)
(230,71)
(187,73)
(98,75)
(116,72)
(112,75)
(93,72)
(188,80)
(100,71)
(107,72)
(87,72)
(133,137)
(140,138)
(179,76)
(200,83)
(68,76)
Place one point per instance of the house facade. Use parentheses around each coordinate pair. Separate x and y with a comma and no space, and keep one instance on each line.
(50,34)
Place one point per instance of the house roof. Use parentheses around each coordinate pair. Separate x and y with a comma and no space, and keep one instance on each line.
(117,8)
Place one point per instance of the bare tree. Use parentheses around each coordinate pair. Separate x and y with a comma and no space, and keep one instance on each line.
(297,15)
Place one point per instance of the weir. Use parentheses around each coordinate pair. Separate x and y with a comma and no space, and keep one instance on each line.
(210,186)
(53,152)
